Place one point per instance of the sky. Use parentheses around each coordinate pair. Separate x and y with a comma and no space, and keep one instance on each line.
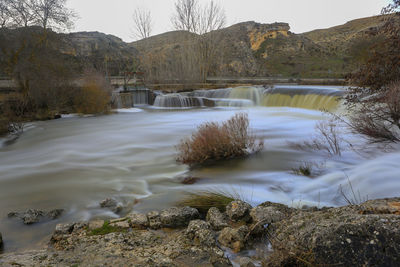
(115,17)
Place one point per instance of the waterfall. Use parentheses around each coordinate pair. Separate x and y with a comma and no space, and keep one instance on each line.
(302,97)
(308,97)
(177,101)
(131,97)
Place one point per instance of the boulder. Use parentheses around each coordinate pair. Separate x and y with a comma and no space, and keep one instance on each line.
(32,216)
(200,231)
(138,220)
(121,224)
(112,204)
(245,262)
(364,235)
(234,238)
(178,216)
(217,220)
(95,224)
(154,219)
(238,211)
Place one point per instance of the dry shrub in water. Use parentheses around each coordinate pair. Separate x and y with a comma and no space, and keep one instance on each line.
(95,95)
(217,141)
(378,117)
(328,139)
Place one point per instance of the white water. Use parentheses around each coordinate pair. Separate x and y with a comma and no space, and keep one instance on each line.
(73,163)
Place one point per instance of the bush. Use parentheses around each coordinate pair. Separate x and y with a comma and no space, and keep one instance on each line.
(95,95)
(378,117)
(327,139)
(205,200)
(218,141)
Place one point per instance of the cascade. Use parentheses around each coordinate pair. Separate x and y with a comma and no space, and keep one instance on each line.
(177,101)
(316,98)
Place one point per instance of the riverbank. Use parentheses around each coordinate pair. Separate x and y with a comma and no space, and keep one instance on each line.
(269,234)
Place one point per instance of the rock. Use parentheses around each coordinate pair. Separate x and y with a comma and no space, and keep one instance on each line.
(190,180)
(266,215)
(138,220)
(200,231)
(238,211)
(346,236)
(121,224)
(233,238)
(96,224)
(217,220)
(55,214)
(111,204)
(245,262)
(64,228)
(32,216)
(1,241)
(61,230)
(154,219)
(178,216)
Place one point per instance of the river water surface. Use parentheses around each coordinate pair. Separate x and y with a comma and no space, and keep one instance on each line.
(75,162)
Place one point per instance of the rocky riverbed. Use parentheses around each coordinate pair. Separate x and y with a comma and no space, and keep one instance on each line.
(267,235)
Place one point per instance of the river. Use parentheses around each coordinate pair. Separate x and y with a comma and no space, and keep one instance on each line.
(75,162)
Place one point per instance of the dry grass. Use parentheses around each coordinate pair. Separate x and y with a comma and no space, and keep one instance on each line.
(94,97)
(328,139)
(205,200)
(219,141)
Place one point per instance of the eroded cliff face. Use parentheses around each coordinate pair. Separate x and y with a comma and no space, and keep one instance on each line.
(261,32)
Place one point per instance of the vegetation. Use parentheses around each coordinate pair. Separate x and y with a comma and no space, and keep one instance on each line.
(305,169)
(374,103)
(106,229)
(205,200)
(95,95)
(219,141)
(328,139)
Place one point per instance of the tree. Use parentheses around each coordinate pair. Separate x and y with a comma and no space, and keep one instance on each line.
(202,20)
(52,13)
(143,23)
(186,17)
(374,102)
(22,10)
(5,14)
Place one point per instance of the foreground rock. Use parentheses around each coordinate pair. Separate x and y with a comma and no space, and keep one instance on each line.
(361,235)
(32,216)
(1,241)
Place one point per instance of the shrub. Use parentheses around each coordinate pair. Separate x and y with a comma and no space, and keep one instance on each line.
(327,139)
(205,200)
(305,169)
(218,141)
(95,95)
(378,117)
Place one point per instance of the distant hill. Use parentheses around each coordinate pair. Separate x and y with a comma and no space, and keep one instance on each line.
(247,49)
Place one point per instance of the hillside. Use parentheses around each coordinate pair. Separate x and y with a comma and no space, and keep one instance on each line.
(251,49)
(247,49)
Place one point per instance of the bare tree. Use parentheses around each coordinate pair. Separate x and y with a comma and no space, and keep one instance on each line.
(5,13)
(52,13)
(203,20)
(187,15)
(142,23)
(22,10)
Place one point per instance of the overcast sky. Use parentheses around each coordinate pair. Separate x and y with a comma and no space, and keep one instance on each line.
(115,16)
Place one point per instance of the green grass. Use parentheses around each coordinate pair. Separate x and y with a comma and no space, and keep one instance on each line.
(106,229)
(205,200)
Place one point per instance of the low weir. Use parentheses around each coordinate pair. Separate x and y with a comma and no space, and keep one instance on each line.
(308,97)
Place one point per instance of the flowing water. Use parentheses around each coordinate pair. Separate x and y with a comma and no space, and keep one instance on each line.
(75,162)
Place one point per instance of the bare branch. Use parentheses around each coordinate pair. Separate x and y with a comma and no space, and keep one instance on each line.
(143,23)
